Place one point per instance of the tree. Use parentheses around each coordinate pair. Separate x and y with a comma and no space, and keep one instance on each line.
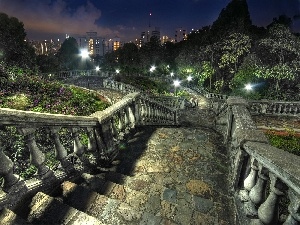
(14,49)
(68,54)
(234,48)
(235,18)
(284,48)
(151,53)
(129,58)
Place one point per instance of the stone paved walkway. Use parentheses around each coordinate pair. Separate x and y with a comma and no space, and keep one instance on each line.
(191,165)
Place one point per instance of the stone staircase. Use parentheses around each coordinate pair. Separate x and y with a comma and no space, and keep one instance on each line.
(169,176)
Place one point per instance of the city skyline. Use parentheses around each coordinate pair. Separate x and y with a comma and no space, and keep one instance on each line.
(127,19)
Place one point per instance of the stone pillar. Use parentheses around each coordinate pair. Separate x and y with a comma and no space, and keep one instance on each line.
(294,209)
(257,192)
(249,184)
(268,210)
(6,171)
(60,151)
(37,157)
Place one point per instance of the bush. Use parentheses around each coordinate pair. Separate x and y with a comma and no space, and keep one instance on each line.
(288,140)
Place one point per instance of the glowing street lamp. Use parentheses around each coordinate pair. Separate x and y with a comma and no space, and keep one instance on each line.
(84,53)
(172,74)
(176,84)
(152,69)
(189,78)
(248,87)
(97,68)
(117,71)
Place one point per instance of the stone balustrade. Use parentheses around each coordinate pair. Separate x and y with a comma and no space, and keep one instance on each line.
(261,175)
(104,130)
(268,107)
(172,102)
(119,86)
(75,73)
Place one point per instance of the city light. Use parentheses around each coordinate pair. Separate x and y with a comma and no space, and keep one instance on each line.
(97,68)
(172,74)
(84,53)
(117,71)
(189,78)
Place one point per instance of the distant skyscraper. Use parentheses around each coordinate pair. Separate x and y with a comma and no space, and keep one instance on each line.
(150,32)
(112,44)
(180,34)
(93,43)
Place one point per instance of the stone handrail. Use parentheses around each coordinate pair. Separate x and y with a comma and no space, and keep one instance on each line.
(172,102)
(74,73)
(255,166)
(268,107)
(104,130)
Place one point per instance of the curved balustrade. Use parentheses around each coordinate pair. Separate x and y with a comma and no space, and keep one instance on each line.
(104,130)
(75,73)
(261,174)
(266,107)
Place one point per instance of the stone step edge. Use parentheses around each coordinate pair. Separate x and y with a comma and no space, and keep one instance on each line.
(8,217)
(42,203)
(125,211)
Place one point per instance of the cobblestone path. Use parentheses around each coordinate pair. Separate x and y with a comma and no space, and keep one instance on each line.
(181,169)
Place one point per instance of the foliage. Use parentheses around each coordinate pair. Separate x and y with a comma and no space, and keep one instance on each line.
(289,142)
(33,93)
(153,87)
(13,49)
(234,48)
(68,55)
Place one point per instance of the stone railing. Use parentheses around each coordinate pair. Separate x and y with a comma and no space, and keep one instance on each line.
(119,86)
(268,107)
(75,73)
(261,175)
(173,102)
(103,130)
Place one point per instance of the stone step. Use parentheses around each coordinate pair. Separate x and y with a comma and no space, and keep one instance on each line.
(177,206)
(8,217)
(114,209)
(48,210)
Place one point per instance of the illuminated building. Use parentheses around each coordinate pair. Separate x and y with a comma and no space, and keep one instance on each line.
(180,35)
(94,44)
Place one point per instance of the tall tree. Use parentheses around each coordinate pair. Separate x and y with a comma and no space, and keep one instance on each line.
(68,54)
(284,49)
(14,50)
(235,18)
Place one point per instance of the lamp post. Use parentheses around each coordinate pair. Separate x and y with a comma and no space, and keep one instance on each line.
(176,84)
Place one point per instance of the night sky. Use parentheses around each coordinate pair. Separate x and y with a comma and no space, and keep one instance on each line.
(45,19)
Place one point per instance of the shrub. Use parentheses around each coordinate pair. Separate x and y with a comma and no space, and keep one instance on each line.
(288,140)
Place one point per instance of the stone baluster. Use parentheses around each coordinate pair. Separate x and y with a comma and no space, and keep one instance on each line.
(60,151)
(294,209)
(37,157)
(274,108)
(126,119)
(249,183)
(257,192)
(268,209)
(137,111)
(121,119)
(6,171)
(79,149)
(92,143)
(131,117)
(113,127)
